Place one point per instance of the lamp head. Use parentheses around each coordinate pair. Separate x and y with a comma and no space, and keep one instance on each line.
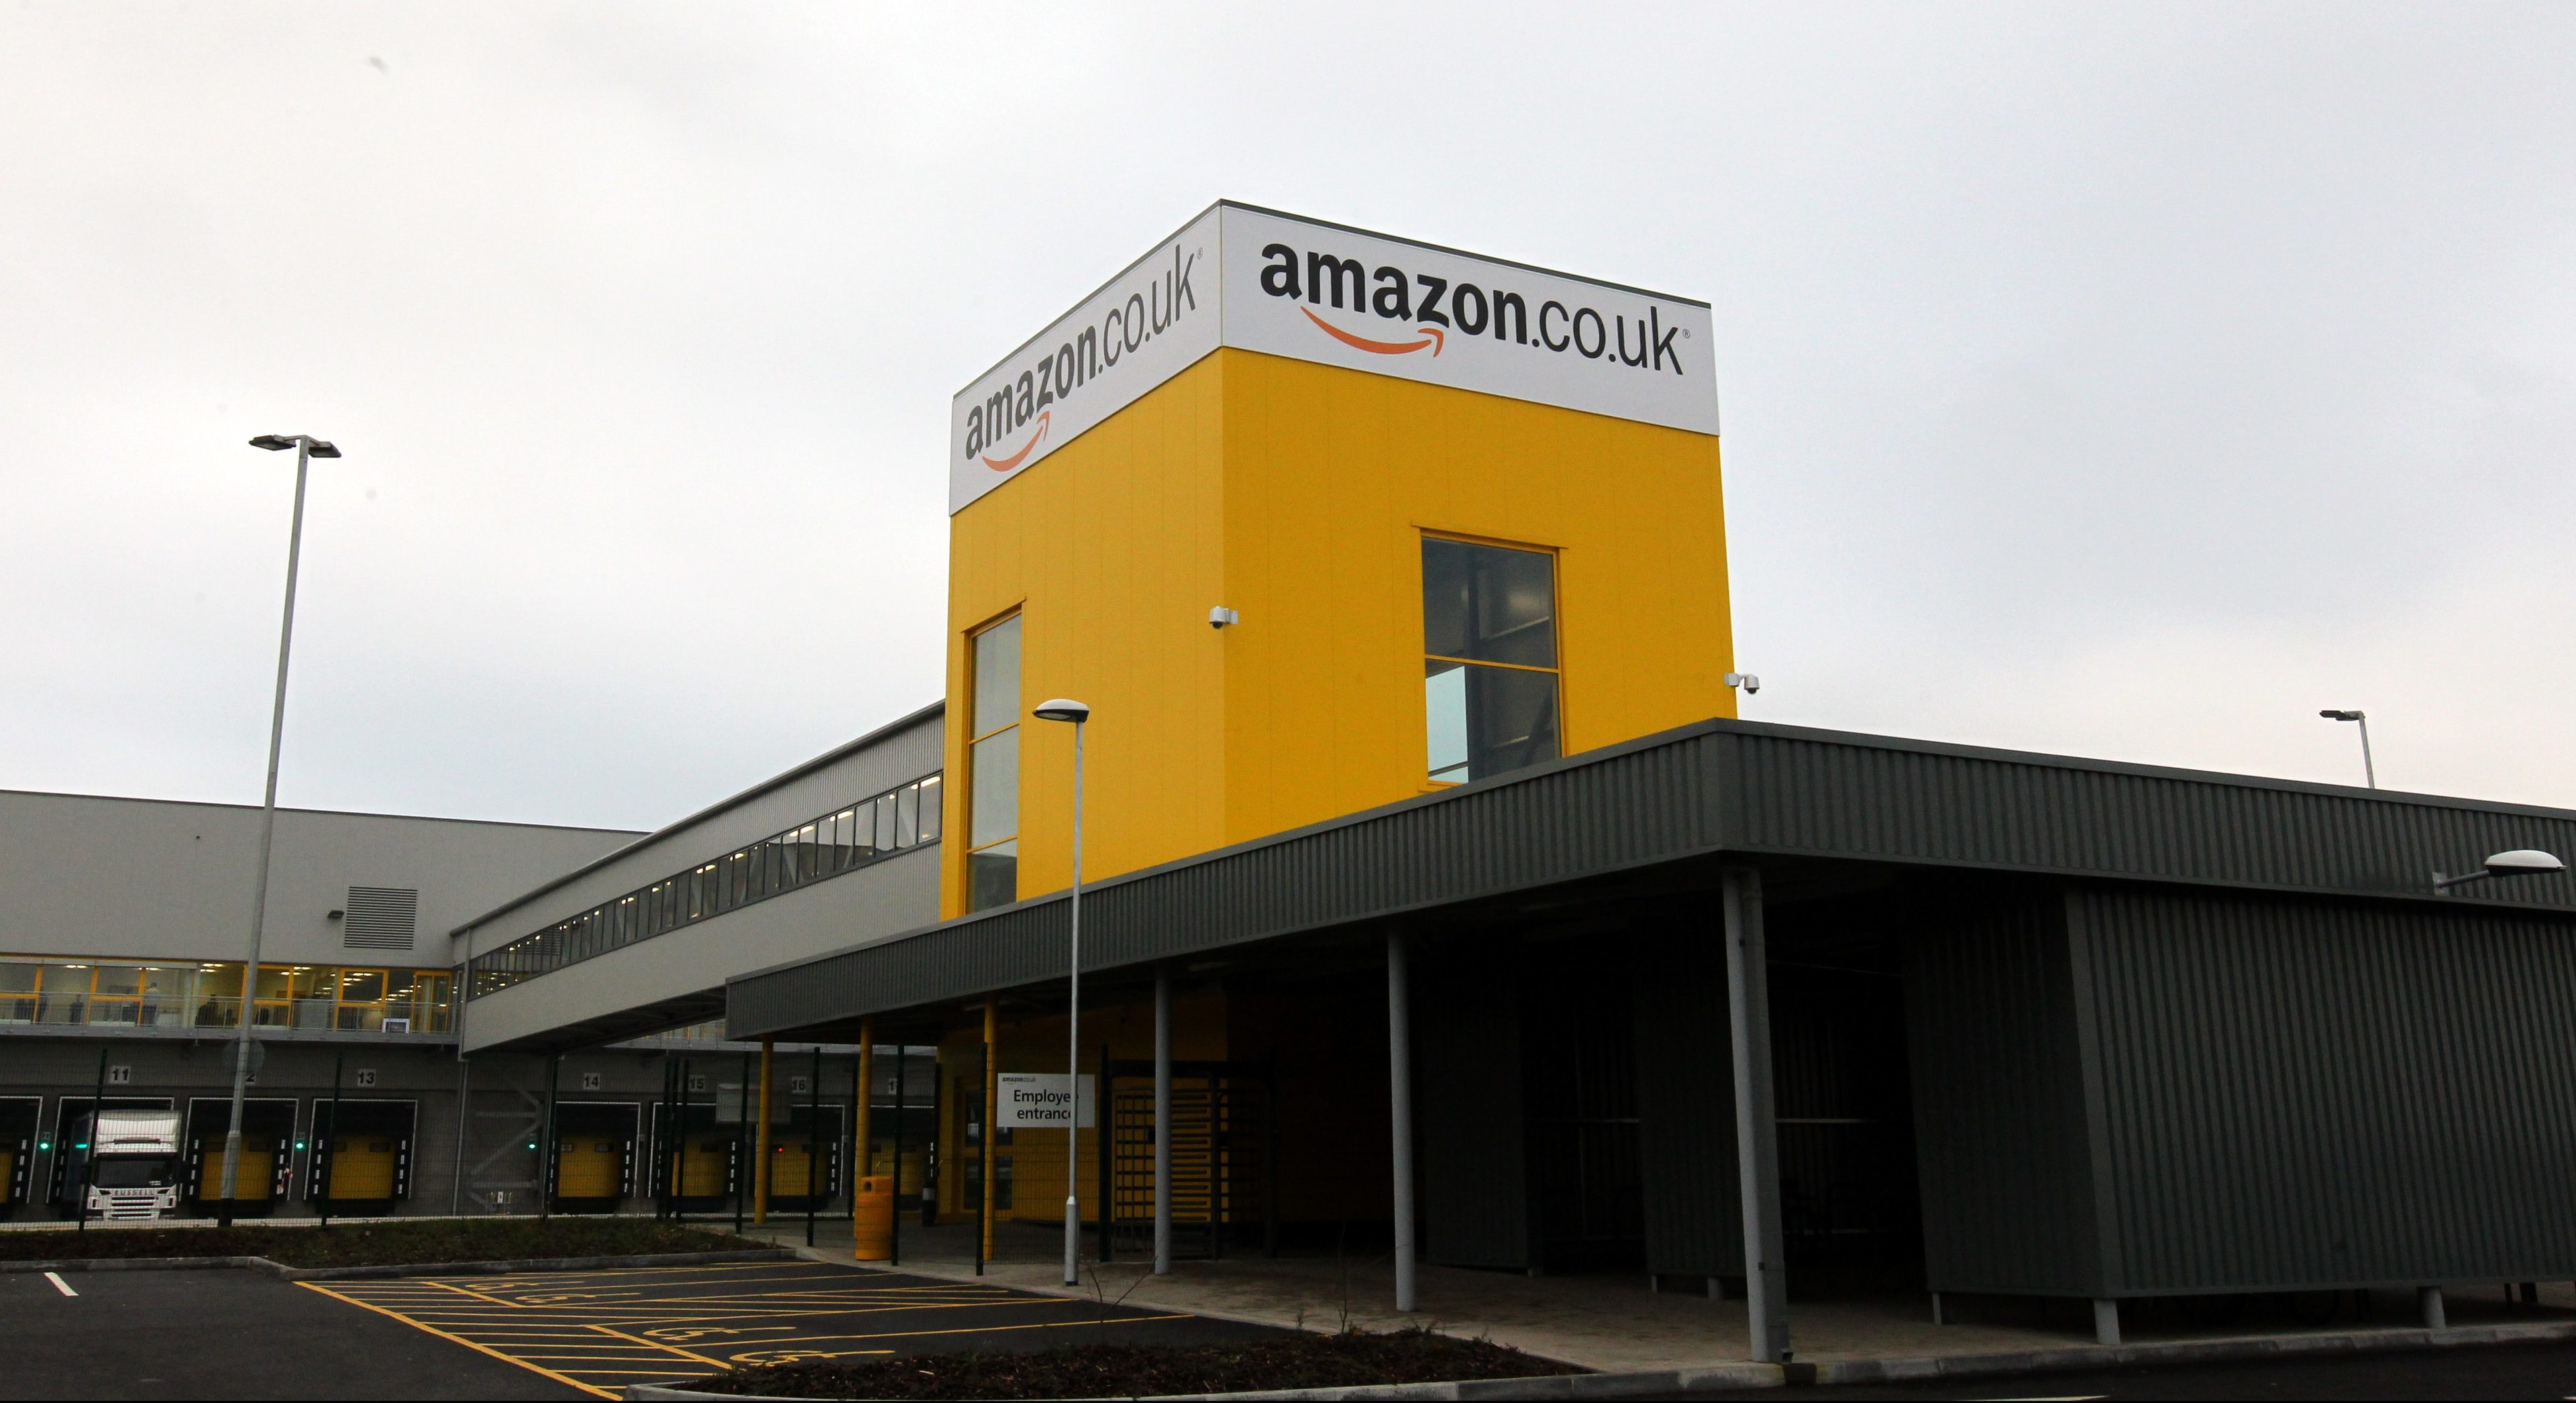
(1062,709)
(2522,862)
(2341,715)
(275,443)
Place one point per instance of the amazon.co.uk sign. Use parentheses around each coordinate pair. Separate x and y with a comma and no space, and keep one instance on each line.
(1263,281)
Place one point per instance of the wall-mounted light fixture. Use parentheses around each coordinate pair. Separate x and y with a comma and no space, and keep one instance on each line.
(2521,862)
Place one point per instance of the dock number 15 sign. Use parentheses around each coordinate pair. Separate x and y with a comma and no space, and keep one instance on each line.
(1036,1100)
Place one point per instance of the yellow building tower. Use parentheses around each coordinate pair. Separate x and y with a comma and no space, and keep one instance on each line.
(1317,520)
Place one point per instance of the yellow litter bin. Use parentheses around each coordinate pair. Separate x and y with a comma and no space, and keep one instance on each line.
(872,1219)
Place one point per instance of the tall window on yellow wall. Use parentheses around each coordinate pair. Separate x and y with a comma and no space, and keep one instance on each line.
(1489,686)
(993,767)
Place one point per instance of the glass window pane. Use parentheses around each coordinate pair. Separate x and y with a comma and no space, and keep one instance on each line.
(997,677)
(994,812)
(1511,719)
(113,979)
(885,823)
(398,983)
(930,809)
(362,986)
(17,978)
(907,814)
(1444,706)
(993,877)
(1488,603)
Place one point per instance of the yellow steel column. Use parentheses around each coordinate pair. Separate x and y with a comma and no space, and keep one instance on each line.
(760,1141)
(992,1095)
(867,1092)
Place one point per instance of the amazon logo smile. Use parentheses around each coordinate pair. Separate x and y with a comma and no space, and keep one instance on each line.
(1432,337)
(1003,465)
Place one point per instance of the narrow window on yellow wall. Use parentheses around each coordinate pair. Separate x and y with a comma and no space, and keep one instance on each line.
(1490,686)
(993,767)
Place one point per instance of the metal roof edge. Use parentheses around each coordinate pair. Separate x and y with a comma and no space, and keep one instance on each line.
(782,778)
(2133,768)
(326,813)
(1676,735)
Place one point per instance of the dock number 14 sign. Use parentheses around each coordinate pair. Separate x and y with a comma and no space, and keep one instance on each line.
(1036,1100)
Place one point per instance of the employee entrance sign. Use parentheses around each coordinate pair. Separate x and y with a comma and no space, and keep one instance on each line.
(1036,1100)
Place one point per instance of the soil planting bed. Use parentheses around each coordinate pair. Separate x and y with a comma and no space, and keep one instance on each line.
(1130,1371)
(377,1244)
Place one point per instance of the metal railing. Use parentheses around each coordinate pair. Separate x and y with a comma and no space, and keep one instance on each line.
(315,1015)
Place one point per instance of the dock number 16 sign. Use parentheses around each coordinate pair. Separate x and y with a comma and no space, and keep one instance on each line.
(1036,1100)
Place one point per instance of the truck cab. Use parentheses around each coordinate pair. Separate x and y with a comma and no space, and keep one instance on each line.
(125,1165)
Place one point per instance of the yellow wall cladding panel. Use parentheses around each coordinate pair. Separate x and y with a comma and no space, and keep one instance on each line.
(1114,553)
(1298,494)
(1332,477)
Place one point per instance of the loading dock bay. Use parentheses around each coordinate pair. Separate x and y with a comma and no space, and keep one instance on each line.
(599,1331)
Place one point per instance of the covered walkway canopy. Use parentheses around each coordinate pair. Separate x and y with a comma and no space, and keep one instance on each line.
(2169,1031)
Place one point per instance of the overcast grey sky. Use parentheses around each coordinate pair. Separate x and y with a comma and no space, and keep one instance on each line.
(2125,381)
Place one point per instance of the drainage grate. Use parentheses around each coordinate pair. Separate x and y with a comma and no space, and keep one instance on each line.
(381,918)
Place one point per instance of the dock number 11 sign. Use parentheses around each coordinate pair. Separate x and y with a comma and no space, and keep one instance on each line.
(1036,1100)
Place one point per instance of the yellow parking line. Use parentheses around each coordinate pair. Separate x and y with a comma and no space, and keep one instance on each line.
(655,1344)
(459,1339)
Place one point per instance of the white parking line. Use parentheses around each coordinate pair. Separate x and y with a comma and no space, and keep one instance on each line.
(61,1285)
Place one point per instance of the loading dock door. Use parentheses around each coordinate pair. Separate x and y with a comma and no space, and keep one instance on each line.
(72,1161)
(18,1120)
(268,1138)
(709,1157)
(364,1156)
(594,1155)
(801,1166)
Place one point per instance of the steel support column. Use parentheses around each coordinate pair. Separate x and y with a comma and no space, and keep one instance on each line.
(1399,1071)
(1766,1286)
(1163,1123)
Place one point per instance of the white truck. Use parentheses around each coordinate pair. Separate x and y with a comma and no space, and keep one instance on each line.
(128,1166)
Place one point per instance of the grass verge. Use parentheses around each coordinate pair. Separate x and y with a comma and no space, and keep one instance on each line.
(1131,1371)
(378,1244)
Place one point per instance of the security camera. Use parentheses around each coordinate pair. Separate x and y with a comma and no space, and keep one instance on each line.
(1220,616)
(1745,680)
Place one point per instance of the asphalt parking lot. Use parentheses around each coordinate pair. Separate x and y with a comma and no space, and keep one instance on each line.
(237,1334)
(229,1334)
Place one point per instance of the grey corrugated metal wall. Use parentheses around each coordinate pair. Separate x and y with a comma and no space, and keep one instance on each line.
(1468,1108)
(1782,791)
(2009,1198)
(1686,1104)
(2297,1094)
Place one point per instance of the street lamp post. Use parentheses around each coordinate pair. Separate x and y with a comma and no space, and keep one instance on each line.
(2369,772)
(307,448)
(1067,709)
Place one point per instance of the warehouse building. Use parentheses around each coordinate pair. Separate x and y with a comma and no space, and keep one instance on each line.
(1433,894)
